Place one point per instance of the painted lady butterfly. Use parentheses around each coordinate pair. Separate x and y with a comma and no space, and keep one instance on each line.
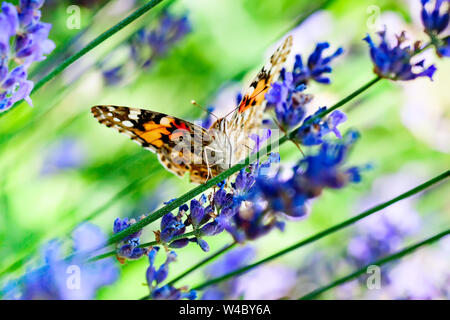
(182,146)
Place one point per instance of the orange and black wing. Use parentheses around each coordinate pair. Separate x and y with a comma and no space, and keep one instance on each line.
(173,139)
(247,119)
(254,96)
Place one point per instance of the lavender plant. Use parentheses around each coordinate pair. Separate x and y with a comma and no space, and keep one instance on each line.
(147,46)
(435,22)
(23,41)
(66,278)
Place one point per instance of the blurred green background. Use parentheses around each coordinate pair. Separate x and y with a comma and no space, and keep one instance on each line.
(403,126)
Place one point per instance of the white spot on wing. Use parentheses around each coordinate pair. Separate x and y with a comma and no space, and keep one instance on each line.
(165,121)
(134,114)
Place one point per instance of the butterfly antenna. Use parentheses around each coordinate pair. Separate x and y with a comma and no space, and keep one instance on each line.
(233,110)
(204,109)
(239,105)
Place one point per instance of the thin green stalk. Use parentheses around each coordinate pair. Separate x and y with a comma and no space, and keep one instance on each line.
(91,45)
(236,168)
(349,97)
(379,263)
(144,245)
(93,214)
(203,262)
(328,231)
(94,43)
(64,47)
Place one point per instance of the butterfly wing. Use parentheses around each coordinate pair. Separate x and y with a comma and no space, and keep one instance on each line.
(178,143)
(254,96)
(248,116)
(161,133)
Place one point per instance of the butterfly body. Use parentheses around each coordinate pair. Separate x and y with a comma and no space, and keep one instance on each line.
(182,146)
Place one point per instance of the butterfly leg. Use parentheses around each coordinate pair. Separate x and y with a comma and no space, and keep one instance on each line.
(207,160)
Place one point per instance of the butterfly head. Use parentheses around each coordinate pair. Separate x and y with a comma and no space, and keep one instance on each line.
(220,124)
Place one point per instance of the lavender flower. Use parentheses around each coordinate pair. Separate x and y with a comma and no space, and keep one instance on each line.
(168,292)
(171,226)
(149,45)
(260,139)
(68,153)
(384,233)
(394,62)
(70,278)
(113,76)
(435,22)
(170,30)
(288,101)
(316,67)
(23,40)
(267,282)
(198,218)
(129,247)
(310,134)
(430,269)
(259,209)
(156,276)
(310,176)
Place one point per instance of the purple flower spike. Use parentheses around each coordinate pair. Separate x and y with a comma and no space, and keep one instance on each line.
(180,243)
(313,133)
(211,229)
(147,46)
(155,276)
(128,247)
(395,62)
(163,270)
(317,65)
(260,139)
(20,26)
(336,118)
(287,99)
(197,212)
(436,22)
(169,292)
(203,245)
(51,280)
(244,181)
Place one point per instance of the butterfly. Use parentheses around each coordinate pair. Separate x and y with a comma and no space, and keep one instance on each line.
(182,146)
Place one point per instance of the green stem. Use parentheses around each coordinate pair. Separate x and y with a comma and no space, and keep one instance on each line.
(203,262)
(94,43)
(91,45)
(64,47)
(147,244)
(328,231)
(351,96)
(93,214)
(380,262)
(234,169)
